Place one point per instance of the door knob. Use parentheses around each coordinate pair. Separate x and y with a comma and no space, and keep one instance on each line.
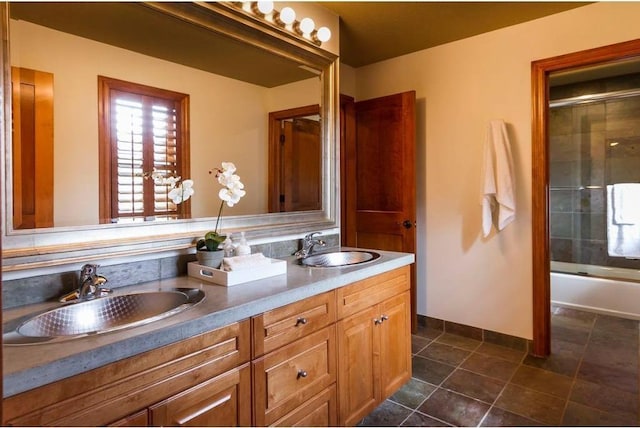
(407,224)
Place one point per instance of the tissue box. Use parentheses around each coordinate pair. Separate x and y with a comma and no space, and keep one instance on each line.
(221,277)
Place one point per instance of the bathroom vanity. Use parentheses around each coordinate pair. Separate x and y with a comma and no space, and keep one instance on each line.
(314,347)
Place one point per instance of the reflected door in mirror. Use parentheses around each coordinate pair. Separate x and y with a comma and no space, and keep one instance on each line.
(32,98)
(296,160)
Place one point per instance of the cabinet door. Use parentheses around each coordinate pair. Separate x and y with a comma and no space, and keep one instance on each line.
(224,400)
(358,354)
(395,343)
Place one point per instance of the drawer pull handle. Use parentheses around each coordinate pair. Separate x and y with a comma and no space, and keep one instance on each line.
(301,321)
(302,373)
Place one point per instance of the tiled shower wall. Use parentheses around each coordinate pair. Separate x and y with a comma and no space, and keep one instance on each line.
(584,158)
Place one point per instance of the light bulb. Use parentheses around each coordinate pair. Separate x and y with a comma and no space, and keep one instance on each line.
(265,7)
(324,34)
(287,15)
(307,25)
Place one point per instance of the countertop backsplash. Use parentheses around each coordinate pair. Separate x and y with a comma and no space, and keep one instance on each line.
(37,289)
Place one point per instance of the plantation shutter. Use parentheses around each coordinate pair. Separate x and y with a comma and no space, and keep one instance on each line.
(145,130)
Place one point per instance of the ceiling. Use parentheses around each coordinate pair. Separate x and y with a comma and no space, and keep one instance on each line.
(369,32)
(375,31)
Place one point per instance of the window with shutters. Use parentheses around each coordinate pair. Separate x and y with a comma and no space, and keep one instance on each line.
(142,129)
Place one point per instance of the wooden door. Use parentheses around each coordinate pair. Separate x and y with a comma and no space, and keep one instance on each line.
(32,97)
(380,178)
(302,165)
(295,159)
(358,353)
(395,344)
(224,400)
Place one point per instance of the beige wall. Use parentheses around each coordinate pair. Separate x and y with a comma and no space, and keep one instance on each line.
(228,118)
(460,87)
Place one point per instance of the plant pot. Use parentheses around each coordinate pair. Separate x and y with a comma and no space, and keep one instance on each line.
(210,258)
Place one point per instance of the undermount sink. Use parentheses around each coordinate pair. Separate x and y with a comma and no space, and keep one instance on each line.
(101,315)
(339,258)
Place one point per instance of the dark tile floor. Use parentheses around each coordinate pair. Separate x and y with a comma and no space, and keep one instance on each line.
(590,379)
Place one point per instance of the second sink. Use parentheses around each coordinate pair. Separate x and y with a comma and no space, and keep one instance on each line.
(339,258)
(102,315)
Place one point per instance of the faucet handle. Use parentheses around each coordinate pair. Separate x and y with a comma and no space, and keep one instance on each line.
(310,236)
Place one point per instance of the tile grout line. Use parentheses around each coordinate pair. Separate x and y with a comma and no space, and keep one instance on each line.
(495,400)
(575,374)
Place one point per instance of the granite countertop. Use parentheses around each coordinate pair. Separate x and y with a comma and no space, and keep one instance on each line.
(29,366)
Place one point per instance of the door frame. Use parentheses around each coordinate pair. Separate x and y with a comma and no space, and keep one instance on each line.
(540,71)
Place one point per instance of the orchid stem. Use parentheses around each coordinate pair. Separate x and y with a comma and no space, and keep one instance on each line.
(218,219)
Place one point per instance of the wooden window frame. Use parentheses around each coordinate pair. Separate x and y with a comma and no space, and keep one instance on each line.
(106,184)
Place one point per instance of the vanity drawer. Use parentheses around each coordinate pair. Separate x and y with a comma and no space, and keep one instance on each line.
(289,377)
(281,326)
(371,291)
(320,411)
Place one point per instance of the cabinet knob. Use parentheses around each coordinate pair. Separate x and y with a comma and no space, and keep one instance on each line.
(384,318)
(302,373)
(377,321)
(301,321)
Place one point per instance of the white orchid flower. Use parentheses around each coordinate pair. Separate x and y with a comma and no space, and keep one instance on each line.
(228,168)
(171,181)
(230,181)
(182,192)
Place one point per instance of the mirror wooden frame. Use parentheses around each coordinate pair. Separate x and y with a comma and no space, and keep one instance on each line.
(540,71)
(46,249)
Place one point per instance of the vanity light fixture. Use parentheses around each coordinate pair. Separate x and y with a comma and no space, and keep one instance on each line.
(287,16)
(306,26)
(264,7)
(286,19)
(322,35)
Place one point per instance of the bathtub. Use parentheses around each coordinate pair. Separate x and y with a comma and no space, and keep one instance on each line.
(594,290)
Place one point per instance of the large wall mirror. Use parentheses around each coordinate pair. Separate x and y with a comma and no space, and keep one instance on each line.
(235,70)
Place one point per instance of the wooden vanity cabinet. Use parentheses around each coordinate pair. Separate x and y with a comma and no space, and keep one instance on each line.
(149,387)
(326,360)
(374,342)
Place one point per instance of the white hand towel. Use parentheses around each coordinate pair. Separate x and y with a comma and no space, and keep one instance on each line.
(244,262)
(623,240)
(498,181)
(626,203)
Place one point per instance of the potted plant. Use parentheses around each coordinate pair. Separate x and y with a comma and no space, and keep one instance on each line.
(208,249)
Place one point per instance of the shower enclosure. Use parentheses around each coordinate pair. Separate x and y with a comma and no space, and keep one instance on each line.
(594,142)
